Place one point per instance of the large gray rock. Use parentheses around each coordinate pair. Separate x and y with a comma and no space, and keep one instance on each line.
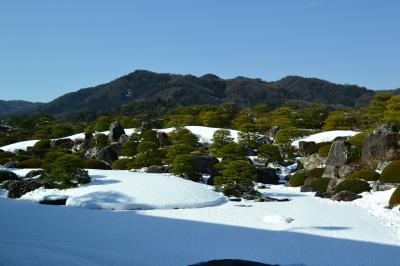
(65,143)
(337,160)
(87,142)
(311,162)
(19,188)
(162,138)
(123,138)
(381,145)
(116,130)
(107,154)
(272,132)
(157,169)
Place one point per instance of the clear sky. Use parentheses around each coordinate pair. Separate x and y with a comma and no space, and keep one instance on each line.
(48,48)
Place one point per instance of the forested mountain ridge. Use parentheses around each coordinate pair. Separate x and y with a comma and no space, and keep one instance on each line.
(146,88)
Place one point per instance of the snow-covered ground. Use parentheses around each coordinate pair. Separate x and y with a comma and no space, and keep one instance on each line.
(203,133)
(303,231)
(326,136)
(124,190)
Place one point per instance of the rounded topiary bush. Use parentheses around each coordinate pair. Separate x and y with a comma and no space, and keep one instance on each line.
(298,179)
(353,185)
(365,174)
(324,150)
(121,164)
(20,158)
(30,163)
(320,184)
(395,198)
(42,144)
(7,175)
(391,173)
(95,164)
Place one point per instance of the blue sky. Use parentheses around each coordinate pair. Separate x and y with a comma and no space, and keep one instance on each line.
(48,48)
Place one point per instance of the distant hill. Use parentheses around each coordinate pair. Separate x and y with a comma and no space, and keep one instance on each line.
(144,87)
(9,107)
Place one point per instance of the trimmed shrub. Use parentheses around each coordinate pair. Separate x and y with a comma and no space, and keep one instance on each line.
(353,185)
(298,178)
(121,164)
(324,150)
(30,163)
(42,144)
(185,165)
(269,153)
(129,148)
(395,198)
(365,174)
(391,173)
(236,179)
(67,171)
(95,164)
(7,175)
(320,184)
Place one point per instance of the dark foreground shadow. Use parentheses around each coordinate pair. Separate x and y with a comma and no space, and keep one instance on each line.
(55,235)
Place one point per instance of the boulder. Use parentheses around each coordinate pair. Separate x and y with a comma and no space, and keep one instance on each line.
(157,169)
(311,162)
(11,164)
(307,147)
(378,186)
(381,145)
(33,173)
(345,196)
(272,132)
(92,153)
(267,176)
(64,143)
(7,175)
(107,154)
(116,130)
(87,142)
(337,160)
(123,138)
(21,187)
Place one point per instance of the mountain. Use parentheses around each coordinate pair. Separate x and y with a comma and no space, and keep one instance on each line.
(141,89)
(9,107)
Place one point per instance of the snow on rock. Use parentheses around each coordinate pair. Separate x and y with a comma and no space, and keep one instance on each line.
(23,145)
(326,136)
(275,219)
(124,190)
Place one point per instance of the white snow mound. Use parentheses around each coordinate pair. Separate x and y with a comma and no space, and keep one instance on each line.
(124,190)
(277,219)
(326,136)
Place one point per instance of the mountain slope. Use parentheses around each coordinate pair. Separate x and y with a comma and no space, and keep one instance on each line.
(7,107)
(145,87)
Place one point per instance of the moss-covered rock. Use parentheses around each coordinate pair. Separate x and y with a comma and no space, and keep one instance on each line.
(320,184)
(30,163)
(395,198)
(391,173)
(353,185)
(365,174)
